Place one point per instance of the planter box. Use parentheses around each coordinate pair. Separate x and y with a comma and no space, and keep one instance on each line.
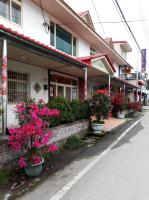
(60,134)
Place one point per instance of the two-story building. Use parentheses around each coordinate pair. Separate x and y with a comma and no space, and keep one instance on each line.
(48,50)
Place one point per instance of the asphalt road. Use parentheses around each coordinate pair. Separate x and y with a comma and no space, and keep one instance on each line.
(117,168)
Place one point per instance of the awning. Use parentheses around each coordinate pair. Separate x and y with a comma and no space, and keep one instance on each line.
(100,64)
(26,50)
(120,81)
(145,92)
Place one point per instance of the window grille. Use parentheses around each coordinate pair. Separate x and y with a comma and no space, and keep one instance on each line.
(18,87)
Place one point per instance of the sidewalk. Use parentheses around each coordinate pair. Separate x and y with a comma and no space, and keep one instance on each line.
(112,123)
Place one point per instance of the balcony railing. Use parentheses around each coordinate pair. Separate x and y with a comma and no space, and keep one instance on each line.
(130,76)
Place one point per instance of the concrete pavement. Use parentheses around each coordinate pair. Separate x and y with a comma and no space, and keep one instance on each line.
(121,174)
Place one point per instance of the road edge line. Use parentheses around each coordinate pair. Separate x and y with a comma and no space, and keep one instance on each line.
(76,178)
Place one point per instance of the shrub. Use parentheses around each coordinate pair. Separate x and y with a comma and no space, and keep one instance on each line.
(119,102)
(4,177)
(85,110)
(63,105)
(76,109)
(69,110)
(73,142)
(80,109)
(135,106)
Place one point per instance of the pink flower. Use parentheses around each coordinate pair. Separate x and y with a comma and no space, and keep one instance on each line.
(32,133)
(53,148)
(36,159)
(22,162)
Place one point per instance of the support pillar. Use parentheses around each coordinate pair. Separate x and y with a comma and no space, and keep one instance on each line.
(85,83)
(109,85)
(124,89)
(4,84)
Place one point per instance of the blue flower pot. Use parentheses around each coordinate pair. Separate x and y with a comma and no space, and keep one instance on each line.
(34,170)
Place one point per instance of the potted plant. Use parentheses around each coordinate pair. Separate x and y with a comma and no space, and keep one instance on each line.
(32,135)
(135,107)
(100,107)
(119,105)
(1,116)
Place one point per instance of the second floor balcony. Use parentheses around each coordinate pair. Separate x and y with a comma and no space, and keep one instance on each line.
(130,76)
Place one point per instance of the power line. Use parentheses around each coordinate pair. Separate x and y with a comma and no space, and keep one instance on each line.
(132,34)
(124,22)
(122,14)
(98,17)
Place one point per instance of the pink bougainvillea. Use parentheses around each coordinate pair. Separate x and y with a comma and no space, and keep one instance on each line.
(33,132)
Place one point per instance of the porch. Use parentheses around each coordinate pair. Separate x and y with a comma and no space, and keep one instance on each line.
(32,69)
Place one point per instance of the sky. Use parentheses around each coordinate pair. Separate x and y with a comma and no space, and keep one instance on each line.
(135,11)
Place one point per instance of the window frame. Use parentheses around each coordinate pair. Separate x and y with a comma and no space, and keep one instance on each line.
(13,80)
(92,51)
(64,89)
(20,4)
(55,39)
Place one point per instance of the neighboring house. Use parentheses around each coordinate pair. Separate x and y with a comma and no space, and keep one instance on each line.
(53,51)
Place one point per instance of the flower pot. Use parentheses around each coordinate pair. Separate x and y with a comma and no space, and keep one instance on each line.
(121,114)
(34,170)
(97,128)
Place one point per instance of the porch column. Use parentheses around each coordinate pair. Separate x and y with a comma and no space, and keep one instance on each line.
(85,83)
(49,84)
(124,89)
(109,86)
(4,84)
(140,96)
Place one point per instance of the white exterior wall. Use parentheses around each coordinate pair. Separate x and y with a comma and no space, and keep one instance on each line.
(120,51)
(32,21)
(83,48)
(36,75)
(116,66)
(32,26)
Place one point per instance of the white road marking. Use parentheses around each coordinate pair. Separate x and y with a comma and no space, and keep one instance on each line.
(76,178)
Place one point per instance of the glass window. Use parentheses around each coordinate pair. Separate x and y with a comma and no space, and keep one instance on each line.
(74,46)
(68,93)
(52,33)
(13,7)
(52,90)
(16,13)
(60,91)
(18,89)
(63,40)
(92,51)
(4,8)
(74,93)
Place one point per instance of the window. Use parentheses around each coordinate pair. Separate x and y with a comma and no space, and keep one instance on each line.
(62,39)
(52,33)
(74,46)
(4,8)
(92,51)
(11,9)
(18,87)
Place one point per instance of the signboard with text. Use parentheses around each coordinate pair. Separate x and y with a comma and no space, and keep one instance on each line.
(143,60)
